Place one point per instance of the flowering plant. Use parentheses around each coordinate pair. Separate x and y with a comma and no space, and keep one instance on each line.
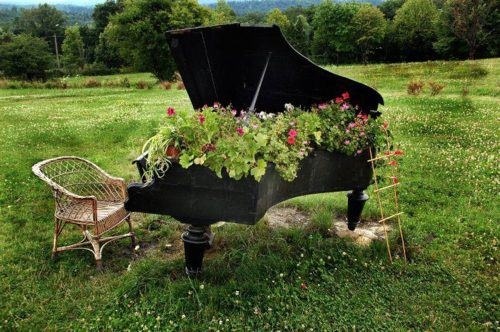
(243,143)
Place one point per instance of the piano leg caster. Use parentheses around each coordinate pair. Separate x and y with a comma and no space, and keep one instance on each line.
(355,202)
(196,240)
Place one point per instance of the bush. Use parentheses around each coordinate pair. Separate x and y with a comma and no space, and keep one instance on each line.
(414,88)
(468,70)
(166,85)
(25,57)
(92,83)
(435,88)
(56,84)
(118,83)
(96,69)
(143,85)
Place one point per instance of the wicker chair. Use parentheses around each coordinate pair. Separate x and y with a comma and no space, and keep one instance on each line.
(88,197)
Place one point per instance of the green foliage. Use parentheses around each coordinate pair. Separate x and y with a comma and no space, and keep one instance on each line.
(276,16)
(244,145)
(139,31)
(103,11)
(334,35)
(222,14)
(25,57)
(299,35)
(369,28)
(389,7)
(107,51)
(72,49)
(43,21)
(415,27)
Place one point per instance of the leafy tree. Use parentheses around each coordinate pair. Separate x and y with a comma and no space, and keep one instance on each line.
(415,28)
(469,18)
(43,21)
(369,28)
(107,52)
(72,49)
(102,13)
(276,16)
(139,31)
(90,39)
(389,7)
(25,57)
(299,35)
(333,31)
(252,18)
(222,13)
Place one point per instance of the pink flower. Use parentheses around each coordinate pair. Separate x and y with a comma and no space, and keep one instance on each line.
(347,142)
(291,140)
(344,106)
(351,125)
(362,134)
(346,95)
(322,106)
(170,111)
(347,131)
(240,131)
(216,105)
(359,151)
(234,112)
(201,118)
(292,133)
(339,100)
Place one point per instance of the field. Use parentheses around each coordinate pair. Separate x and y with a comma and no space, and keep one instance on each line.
(253,276)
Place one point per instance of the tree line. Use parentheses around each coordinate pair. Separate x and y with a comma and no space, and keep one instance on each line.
(130,34)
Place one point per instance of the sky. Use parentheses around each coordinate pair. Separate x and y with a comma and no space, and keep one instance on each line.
(66,2)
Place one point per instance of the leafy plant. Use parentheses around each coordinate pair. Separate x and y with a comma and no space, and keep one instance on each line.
(435,88)
(242,144)
(415,88)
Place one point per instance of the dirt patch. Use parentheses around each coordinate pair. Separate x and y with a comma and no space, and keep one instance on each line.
(286,217)
(290,217)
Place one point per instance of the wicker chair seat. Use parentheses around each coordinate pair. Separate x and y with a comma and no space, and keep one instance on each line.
(88,197)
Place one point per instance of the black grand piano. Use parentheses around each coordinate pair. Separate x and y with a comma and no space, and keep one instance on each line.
(253,68)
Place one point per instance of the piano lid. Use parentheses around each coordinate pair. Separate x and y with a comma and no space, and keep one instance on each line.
(255,66)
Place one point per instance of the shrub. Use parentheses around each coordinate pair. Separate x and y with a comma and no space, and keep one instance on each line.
(56,84)
(468,70)
(166,85)
(96,69)
(143,85)
(118,83)
(415,87)
(180,86)
(25,57)
(435,88)
(91,83)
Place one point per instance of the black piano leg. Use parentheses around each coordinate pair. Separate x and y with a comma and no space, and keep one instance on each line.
(196,239)
(355,202)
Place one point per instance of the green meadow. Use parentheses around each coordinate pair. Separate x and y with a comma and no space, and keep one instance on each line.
(258,277)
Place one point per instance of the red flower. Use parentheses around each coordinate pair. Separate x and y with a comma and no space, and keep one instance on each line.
(291,140)
(240,131)
(394,179)
(398,152)
(385,125)
(292,133)
(339,100)
(170,111)
(346,95)
(208,147)
(201,118)
(392,163)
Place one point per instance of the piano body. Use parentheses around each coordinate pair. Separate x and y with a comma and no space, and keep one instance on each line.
(253,68)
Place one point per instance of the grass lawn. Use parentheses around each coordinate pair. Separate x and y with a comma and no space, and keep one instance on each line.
(253,276)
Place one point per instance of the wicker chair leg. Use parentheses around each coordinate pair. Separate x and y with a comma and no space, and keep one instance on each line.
(132,237)
(96,249)
(58,226)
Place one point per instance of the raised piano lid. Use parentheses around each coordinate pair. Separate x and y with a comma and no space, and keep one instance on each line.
(225,64)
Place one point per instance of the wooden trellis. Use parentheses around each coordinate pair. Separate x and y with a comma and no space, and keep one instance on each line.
(389,157)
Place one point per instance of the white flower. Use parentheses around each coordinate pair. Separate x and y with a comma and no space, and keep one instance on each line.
(183,316)
(137,247)
(202,286)
(237,293)
(281,275)
(289,107)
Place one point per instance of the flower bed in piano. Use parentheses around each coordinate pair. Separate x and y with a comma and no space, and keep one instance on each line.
(244,143)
